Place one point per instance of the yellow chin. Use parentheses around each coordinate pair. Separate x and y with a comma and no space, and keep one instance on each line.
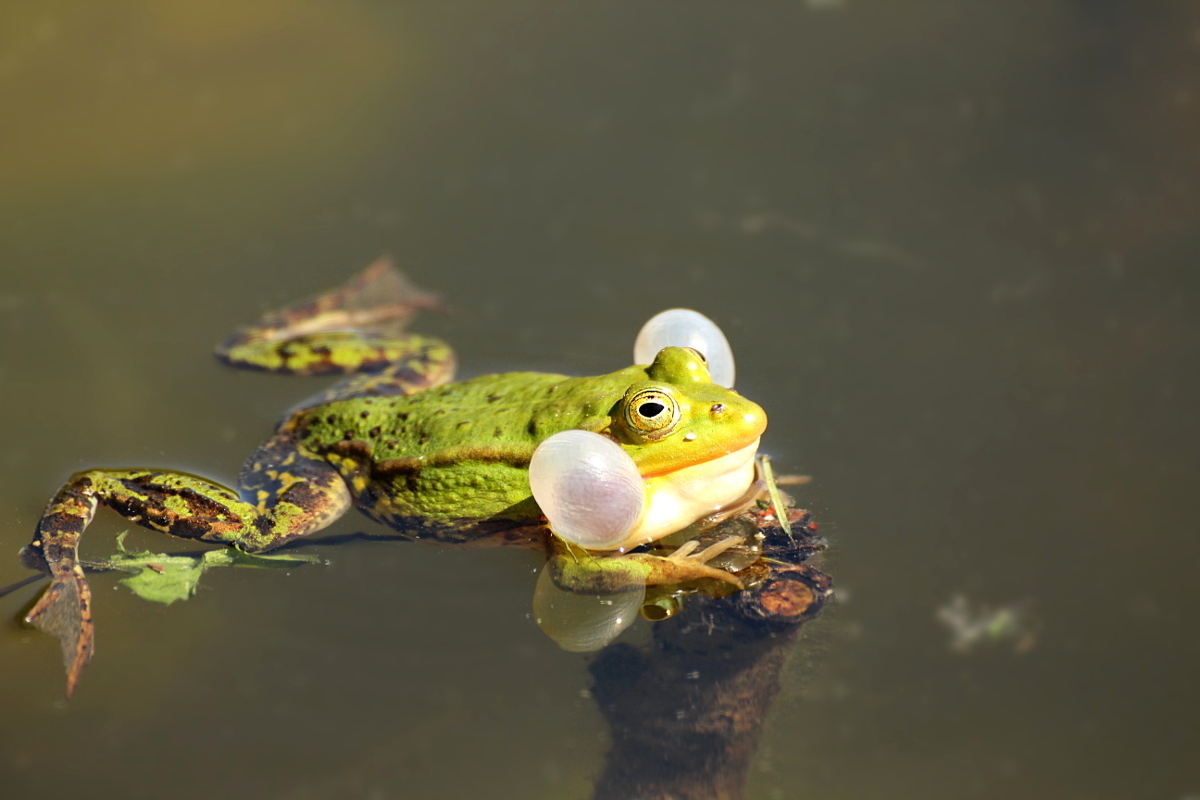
(679,498)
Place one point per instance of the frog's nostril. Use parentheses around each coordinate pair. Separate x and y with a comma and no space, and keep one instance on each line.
(718,409)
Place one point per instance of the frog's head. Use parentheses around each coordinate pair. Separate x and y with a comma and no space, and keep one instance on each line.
(692,440)
(677,418)
(673,447)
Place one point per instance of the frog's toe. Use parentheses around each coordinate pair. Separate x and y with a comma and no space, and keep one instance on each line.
(691,566)
(684,553)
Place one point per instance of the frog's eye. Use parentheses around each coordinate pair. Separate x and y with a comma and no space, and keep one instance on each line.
(588,487)
(682,327)
(651,413)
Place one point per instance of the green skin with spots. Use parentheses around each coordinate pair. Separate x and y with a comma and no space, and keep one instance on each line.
(395,440)
(462,451)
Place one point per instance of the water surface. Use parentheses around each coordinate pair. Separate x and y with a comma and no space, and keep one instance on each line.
(953,246)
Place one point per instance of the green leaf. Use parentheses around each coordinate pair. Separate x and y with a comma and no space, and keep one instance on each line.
(232,557)
(163,578)
(166,583)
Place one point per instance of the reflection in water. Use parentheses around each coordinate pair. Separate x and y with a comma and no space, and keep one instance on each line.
(983,626)
(583,623)
(580,621)
(686,711)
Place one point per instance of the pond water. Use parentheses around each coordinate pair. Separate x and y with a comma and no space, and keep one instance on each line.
(953,245)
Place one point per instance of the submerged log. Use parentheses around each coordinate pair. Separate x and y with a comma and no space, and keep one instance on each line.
(686,712)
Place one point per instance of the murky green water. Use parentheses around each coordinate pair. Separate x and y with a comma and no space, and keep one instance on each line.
(954,246)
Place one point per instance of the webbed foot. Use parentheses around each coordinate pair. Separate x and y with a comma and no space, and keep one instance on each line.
(65,612)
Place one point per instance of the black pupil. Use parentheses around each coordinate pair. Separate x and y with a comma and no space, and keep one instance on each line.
(651,409)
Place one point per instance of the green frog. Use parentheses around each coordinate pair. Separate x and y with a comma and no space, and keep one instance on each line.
(410,449)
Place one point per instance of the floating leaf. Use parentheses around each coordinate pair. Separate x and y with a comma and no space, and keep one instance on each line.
(163,578)
(166,583)
(232,557)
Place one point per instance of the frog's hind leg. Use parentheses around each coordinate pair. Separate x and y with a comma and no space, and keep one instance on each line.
(356,328)
(298,493)
(396,379)
(296,499)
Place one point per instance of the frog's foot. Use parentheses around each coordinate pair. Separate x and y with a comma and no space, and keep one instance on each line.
(306,497)
(595,573)
(65,612)
(684,565)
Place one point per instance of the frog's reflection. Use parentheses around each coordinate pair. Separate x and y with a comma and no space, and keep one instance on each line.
(583,623)
(685,711)
(755,549)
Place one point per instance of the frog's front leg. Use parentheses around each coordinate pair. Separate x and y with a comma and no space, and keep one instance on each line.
(307,496)
(603,573)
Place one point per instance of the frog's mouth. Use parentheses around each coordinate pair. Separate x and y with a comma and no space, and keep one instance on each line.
(677,499)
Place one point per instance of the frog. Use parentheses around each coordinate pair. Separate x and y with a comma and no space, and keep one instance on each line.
(410,448)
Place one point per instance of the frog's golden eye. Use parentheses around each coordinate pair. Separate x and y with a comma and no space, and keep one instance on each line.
(652,413)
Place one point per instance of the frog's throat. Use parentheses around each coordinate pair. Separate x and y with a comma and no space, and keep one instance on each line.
(679,498)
